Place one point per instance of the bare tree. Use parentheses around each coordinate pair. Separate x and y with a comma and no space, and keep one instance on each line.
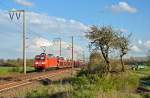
(102,39)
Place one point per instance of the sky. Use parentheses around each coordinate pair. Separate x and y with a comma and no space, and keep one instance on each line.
(48,20)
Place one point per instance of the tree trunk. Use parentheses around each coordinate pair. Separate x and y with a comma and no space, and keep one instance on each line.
(107,60)
(108,65)
(122,64)
(105,56)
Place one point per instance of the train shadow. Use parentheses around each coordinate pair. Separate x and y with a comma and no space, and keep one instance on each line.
(31,71)
(48,81)
(6,78)
(60,95)
(43,70)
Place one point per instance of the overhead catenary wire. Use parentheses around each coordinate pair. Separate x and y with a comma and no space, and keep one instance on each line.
(30,34)
(19,25)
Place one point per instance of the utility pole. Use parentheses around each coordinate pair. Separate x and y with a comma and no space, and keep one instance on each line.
(60,46)
(24,43)
(59,42)
(18,12)
(83,56)
(72,54)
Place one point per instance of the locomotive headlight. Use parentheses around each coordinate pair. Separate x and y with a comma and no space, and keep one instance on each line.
(36,62)
(43,63)
(42,58)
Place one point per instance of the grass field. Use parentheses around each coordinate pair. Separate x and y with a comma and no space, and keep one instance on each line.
(144,82)
(143,72)
(122,85)
(9,70)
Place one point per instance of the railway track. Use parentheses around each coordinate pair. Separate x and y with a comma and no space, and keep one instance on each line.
(29,80)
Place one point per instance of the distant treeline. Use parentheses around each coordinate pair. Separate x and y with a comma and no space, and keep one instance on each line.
(19,62)
(136,61)
(15,62)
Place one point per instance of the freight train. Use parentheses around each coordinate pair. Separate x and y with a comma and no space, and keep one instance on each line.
(45,61)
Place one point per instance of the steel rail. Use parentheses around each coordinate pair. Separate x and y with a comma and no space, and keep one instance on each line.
(16,84)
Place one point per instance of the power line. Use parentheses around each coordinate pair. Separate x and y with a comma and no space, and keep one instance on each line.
(31,32)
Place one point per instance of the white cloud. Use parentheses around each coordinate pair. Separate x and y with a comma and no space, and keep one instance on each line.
(135,48)
(24,3)
(53,24)
(141,46)
(139,42)
(42,24)
(147,44)
(121,30)
(123,7)
(41,42)
(38,44)
(68,46)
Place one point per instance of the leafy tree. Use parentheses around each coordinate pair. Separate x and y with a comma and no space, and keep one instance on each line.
(102,39)
(122,44)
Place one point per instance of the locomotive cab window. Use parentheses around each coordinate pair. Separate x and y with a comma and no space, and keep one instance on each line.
(37,57)
(50,55)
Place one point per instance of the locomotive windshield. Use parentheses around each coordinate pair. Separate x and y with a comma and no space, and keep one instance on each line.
(37,57)
(50,55)
(40,57)
(43,54)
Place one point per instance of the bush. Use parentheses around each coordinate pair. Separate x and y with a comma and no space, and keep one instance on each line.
(93,85)
(89,84)
(15,62)
(96,63)
(80,82)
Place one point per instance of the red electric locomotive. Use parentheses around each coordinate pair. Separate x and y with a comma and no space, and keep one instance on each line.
(43,61)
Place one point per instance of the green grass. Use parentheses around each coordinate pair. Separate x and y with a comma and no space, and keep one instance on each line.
(144,75)
(93,86)
(87,85)
(123,85)
(143,72)
(50,91)
(8,70)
